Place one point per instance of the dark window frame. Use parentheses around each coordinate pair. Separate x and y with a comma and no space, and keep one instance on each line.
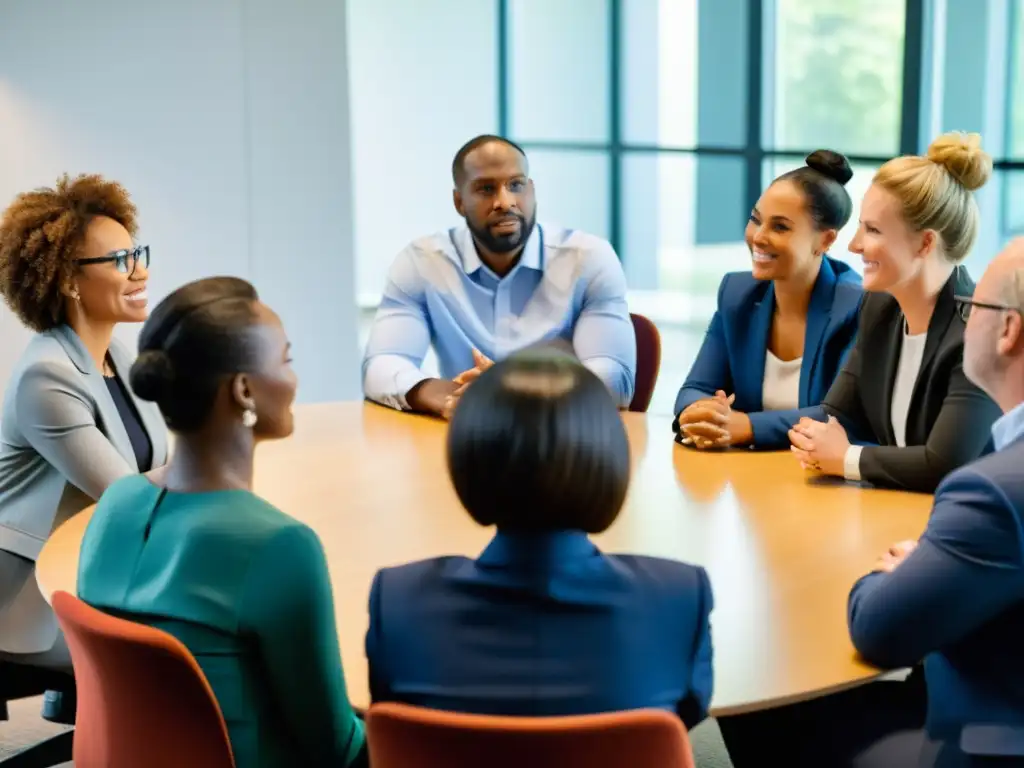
(754,153)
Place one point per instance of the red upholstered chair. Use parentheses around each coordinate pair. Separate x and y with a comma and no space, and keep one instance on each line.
(401,736)
(142,698)
(648,361)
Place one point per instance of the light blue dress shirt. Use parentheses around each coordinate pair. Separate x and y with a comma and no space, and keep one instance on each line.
(567,285)
(1008,428)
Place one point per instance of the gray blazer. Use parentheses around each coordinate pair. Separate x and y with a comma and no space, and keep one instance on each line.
(62,441)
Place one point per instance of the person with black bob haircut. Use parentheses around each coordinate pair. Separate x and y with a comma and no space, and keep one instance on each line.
(191,550)
(782,330)
(537,448)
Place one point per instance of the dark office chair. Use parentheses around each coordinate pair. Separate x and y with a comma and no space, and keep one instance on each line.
(18,681)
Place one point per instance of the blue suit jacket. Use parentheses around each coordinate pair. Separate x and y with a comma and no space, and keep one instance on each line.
(732,356)
(542,625)
(957,602)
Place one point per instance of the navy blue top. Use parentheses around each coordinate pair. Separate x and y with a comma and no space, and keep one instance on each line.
(137,435)
(542,624)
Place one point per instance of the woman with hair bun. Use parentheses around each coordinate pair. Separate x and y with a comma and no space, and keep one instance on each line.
(901,413)
(782,330)
(192,550)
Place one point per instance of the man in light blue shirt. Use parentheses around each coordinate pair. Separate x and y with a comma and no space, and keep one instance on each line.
(500,283)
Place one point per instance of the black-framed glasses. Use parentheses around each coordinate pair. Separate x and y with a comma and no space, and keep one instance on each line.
(126,260)
(964,304)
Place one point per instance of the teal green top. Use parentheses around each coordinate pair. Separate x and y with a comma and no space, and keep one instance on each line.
(245,588)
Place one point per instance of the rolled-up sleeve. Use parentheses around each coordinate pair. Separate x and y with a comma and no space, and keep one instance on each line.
(399,338)
(57,418)
(604,339)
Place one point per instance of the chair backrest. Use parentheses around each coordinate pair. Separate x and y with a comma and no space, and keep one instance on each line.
(648,361)
(142,698)
(401,736)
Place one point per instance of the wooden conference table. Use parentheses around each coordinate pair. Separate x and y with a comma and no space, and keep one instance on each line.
(782,549)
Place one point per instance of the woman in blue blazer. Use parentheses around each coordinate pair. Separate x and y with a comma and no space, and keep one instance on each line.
(781,331)
(542,622)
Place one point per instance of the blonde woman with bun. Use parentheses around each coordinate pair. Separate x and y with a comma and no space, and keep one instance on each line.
(901,414)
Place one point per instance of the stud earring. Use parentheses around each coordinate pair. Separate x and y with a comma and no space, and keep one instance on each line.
(249,418)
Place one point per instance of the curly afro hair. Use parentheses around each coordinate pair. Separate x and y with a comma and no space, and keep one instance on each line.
(41,235)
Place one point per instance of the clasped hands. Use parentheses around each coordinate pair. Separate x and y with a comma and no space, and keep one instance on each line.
(480,364)
(712,423)
(820,446)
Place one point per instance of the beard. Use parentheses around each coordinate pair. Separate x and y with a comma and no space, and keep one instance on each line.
(503,243)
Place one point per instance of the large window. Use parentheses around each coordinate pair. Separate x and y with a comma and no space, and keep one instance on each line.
(575,188)
(662,216)
(1015,139)
(658,76)
(657,123)
(558,83)
(838,75)
(1014,180)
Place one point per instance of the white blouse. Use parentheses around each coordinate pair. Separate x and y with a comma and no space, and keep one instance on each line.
(911,357)
(781,387)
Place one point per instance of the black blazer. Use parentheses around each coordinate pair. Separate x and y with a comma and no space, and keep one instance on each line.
(950,420)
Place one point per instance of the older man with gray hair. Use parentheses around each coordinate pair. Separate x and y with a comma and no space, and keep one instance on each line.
(954,599)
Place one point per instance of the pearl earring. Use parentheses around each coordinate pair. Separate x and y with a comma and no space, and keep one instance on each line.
(249,418)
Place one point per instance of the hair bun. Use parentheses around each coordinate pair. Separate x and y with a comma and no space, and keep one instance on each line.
(831,164)
(152,375)
(961,154)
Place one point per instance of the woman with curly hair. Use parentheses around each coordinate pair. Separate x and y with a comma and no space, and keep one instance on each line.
(70,426)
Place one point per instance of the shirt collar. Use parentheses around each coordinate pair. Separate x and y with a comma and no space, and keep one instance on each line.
(1008,427)
(465,250)
(538,550)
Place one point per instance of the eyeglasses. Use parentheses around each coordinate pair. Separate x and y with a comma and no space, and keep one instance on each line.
(126,260)
(965,303)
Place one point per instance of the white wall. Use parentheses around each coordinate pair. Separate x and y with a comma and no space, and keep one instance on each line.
(424,80)
(228,122)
